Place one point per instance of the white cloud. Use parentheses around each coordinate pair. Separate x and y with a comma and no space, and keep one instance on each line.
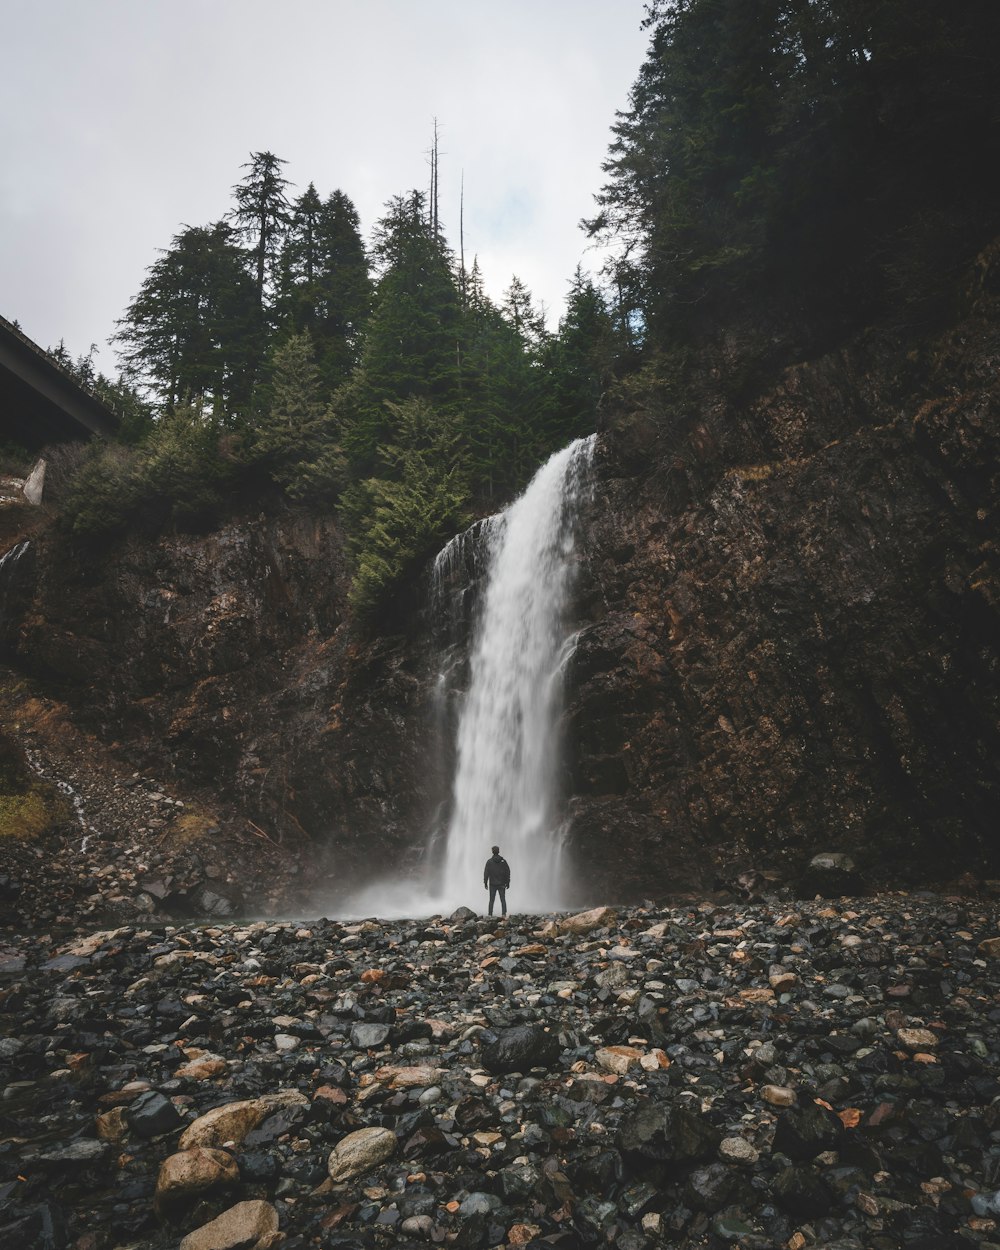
(125,120)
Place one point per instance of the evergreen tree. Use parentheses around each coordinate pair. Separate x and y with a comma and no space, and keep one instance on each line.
(324,285)
(296,437)
(344,289)
(183,475)
(191,330)
(579,362)
(296,407)
(528,322)
(261,216)
(176,476)
(793,148)
(489,348)
(299,266)
(396,522)
(412,347)
(502,388)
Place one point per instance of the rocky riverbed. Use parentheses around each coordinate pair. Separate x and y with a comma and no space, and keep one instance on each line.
(787,1075)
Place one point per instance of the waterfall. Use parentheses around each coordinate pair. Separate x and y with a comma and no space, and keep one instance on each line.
(8,570)
(15,553)
(75,797)
(505,789)
(10,558)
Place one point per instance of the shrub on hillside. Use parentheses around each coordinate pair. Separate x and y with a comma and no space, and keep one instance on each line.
(176,476)
(101,495)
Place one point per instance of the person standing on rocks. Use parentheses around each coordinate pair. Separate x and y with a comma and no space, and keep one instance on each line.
(496,879)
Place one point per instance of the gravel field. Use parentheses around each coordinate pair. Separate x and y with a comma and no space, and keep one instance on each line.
(790,1075)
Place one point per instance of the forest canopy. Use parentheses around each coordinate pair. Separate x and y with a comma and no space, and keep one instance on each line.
(823,159)
(380,381)
(791,168)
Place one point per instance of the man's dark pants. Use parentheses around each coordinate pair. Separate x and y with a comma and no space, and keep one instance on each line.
(502,891)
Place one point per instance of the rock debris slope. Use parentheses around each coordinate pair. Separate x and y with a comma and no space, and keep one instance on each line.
(813,1074)
(124,846)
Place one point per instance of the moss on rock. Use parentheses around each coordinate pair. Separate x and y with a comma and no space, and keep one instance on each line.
(29,807)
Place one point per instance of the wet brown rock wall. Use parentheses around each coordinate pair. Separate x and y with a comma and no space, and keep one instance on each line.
(788,605)
(226,659)
(794,635)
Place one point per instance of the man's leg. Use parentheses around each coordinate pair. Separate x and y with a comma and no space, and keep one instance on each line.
(493,894)
(503,899)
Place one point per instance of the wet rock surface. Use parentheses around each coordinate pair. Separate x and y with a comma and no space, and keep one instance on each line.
(223,664)
(326,1083)
(131,846)
(789,642)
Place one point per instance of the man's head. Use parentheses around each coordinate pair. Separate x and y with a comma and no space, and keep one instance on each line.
(495,850)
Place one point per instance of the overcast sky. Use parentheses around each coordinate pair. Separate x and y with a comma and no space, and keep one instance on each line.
(124,119)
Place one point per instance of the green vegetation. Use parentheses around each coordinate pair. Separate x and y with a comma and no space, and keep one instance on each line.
(809,163)
(277,355)
(29,808)
(24,817)
(197,825)
(176,476)
(786,172)
(397,520)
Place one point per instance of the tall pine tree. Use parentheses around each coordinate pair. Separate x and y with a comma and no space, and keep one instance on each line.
(299,266)
(261,215)
(296,437)
(191,331)
(579,362)
(344,289)
(412,347)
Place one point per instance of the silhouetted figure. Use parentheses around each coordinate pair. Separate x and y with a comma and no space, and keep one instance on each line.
(496,879)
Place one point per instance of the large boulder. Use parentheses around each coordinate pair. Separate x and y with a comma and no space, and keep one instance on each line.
(665,1133)
(587,921)
(830,875)
(520,1048)
(192,1174)
(234,1120)
(246,1226)
(361,1152)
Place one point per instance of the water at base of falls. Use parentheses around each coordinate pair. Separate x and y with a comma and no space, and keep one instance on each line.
(505,790)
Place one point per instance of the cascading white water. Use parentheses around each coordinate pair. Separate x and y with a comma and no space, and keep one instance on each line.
(505,782)
(505,788)
(75,797)
(11,557)
(8,571)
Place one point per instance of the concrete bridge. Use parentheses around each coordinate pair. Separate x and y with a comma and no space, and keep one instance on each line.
(40,402)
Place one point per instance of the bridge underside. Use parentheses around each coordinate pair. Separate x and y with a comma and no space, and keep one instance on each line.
(39,402)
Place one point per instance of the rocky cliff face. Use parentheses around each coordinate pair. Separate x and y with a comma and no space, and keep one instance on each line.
(794,623)
(789,640)
(224,662)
